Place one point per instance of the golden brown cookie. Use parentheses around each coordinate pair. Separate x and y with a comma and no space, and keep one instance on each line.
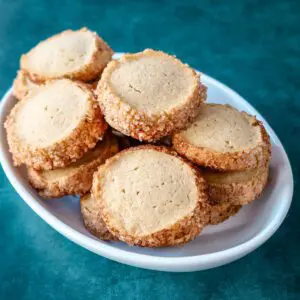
(54,125)
(92,219)
(220,212)
(236,187)
(22,85)
(79,55)
(76,178)
(223,138)
(149,196)
(150,94)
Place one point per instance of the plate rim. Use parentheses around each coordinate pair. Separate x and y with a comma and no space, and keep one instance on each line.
(175,264)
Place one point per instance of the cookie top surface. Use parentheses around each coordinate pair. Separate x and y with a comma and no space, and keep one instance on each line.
(145,190)
(50,114)
(61,54)
(222,128)
(152,81)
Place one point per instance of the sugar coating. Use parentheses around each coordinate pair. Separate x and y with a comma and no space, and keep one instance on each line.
(222,138)
(76,178)
(92,219)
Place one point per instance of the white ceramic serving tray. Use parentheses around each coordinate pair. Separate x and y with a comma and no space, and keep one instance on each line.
(216,246)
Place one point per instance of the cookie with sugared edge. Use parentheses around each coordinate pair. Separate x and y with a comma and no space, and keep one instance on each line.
(151,197)
(148,95)
(236,187)
(220,212)
(78,55)
(76,178)
(54,126)
(223,138)
(23,85)
(92,218)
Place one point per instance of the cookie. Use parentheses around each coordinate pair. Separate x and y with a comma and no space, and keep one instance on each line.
(54,126)
(92,219)
(150,94)
(78,55)
(76,178)
(149,196)
(22,85)
(224,138)
(236,187)
(220,212)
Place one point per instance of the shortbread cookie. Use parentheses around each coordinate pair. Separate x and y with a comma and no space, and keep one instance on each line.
(92,219)
(223,138)
(23,85)
(236,187)
(149,196)
(220,212)
(148,95)
(78,55)
(54,125)
(76,178)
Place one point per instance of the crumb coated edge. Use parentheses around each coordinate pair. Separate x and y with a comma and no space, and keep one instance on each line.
(93,222)
(240,193)
(223,211)
(79,182)
(227,161)
(20,86)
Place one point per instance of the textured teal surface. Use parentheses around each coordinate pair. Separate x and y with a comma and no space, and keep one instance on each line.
(252,46)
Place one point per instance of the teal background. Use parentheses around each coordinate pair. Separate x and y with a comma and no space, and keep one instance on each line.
(252,46)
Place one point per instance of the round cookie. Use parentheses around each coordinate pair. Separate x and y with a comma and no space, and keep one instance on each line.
(54,125)
(220,212)
(224,138)
(149,196)
(150,94)
(236,187)
(92,219)
(76,178)
(22,85)
(78,55)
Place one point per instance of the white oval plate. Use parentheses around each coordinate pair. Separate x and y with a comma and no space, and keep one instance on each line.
(216,246)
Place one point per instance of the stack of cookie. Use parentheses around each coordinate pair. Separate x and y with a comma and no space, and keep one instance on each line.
(188,164)
(233,151)
(57,129)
